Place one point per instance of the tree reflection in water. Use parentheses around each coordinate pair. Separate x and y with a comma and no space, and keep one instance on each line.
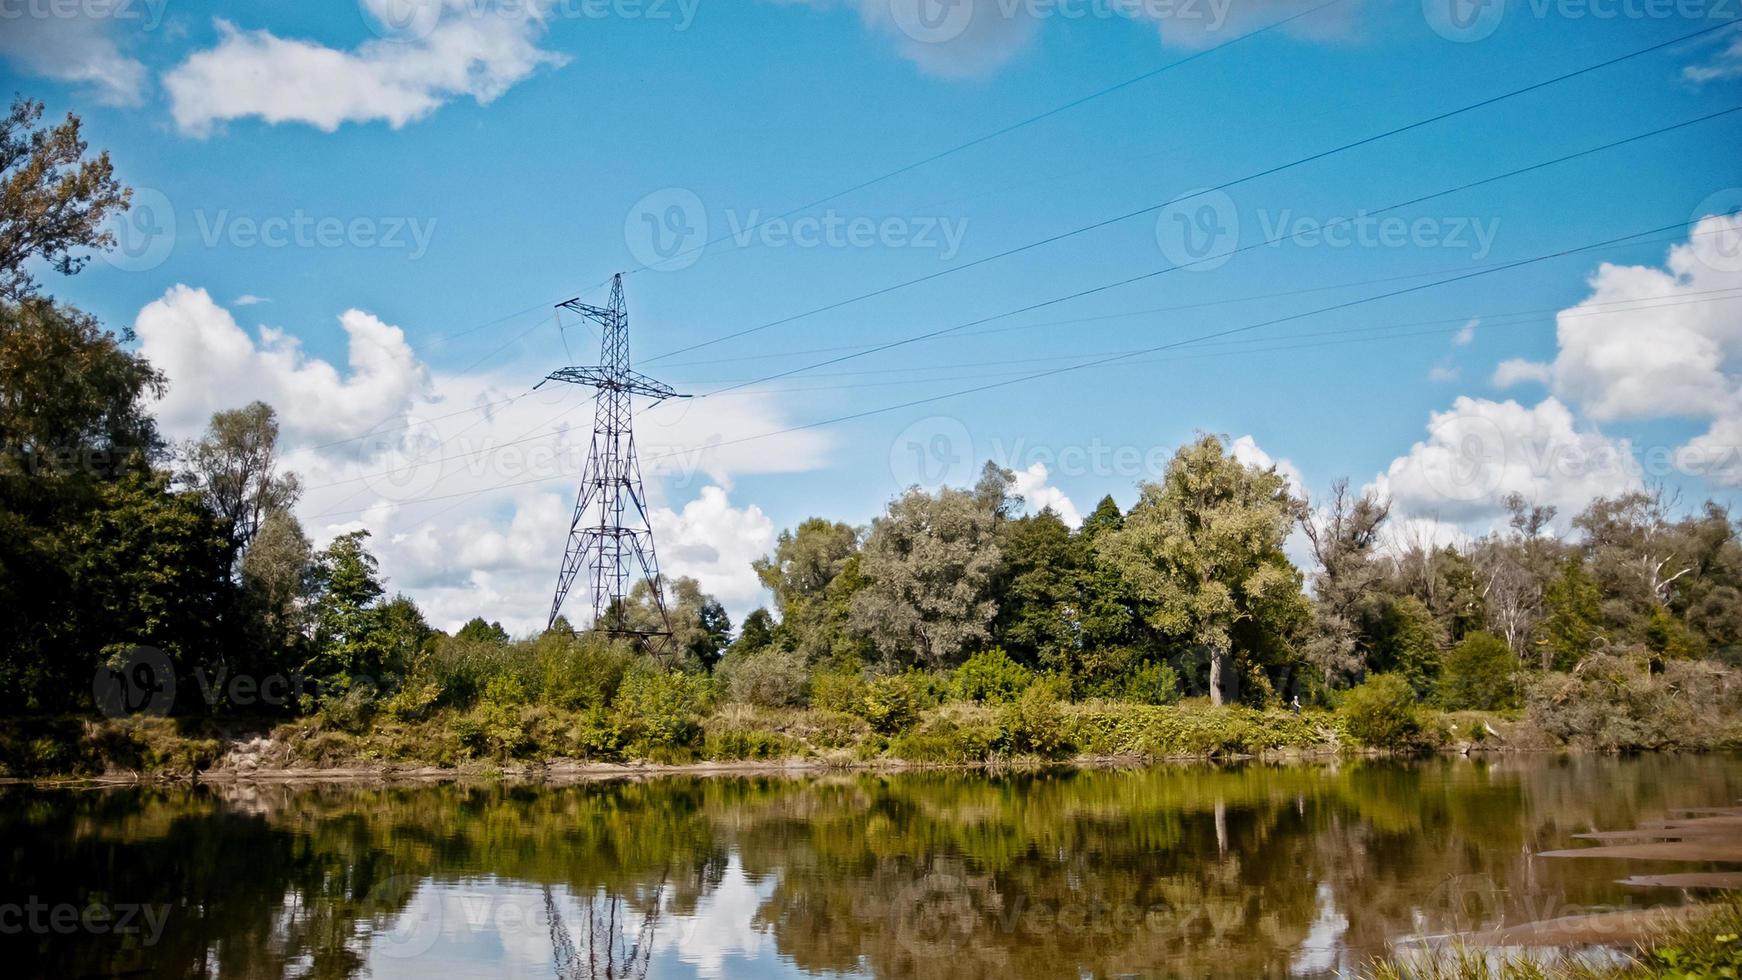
(1253,870)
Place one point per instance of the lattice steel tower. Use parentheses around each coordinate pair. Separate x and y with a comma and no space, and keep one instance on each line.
(610,535)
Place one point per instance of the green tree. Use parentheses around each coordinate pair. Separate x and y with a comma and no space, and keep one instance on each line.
(53,200)
(477,630)
(1406,641)
(234,466)
(1575,616)
(72,397)
(349,642)
(1040,617)
(1480,674)
(1348,582)
(930,561)
(1202,554)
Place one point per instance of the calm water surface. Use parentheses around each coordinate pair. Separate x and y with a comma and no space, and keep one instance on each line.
(1241,872)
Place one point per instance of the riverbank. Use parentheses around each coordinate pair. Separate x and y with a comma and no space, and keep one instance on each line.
(536,743)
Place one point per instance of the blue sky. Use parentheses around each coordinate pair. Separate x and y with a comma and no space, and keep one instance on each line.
(364,182)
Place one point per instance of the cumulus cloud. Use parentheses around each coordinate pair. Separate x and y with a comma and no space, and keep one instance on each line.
(446,50)
(1480,451)
(466,482)
(1518,370)
(1031,484)
(1246,450)
(80,49)
(213,364)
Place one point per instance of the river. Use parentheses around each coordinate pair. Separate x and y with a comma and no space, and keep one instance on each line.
(1239,871)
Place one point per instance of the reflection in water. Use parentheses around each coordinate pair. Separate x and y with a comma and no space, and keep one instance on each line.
(1245,871)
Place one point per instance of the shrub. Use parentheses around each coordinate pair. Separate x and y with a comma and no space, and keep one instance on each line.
(1616,703)
(659,712)
(769,677)
(842,692)
(956,735)
(1150,683)
(1382,713)
(1033,724)
(991,676)
(1479,674)
(892,704)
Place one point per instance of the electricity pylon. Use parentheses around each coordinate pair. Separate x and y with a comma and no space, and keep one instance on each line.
(610,535)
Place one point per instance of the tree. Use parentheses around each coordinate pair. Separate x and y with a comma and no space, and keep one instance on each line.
(813,595)
(1202,554)
(1343,538)
(477,630)
(930,563)
(70,394)
(699,627)
(1575,616)
(278,582)
(349,645)
(1040,619)
(235,467)
(53,201)
(1479,675)
(1406,641)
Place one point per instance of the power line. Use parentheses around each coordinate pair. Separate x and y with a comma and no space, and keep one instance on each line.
(932,334)
(1102,361)
(1270,171)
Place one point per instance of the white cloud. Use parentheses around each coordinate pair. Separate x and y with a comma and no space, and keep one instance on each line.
(467,49)
(1031,484)
(953,39)
(1442,373)
(1467,332)
(1479,451)
(1518,370)
(80,50)
(466,481)
(249,299)
(1246,450)
(1726,63)
(213,364)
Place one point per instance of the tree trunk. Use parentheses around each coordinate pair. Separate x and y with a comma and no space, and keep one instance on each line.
(1221,677)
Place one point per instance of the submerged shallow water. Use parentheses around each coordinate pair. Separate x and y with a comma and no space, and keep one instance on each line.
(1253,870)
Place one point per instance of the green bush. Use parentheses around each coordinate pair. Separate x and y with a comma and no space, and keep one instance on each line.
(892,704)
(1150,683)
(1033,724)
(950,737)
(842,692)
(1479,674)
(659,712)
(991,676)
(1382,713)
(768,677)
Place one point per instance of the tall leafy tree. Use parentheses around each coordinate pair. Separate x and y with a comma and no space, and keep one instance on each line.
(930,562)
(235,467)
(1202,555)
(1343,536)
(53,199)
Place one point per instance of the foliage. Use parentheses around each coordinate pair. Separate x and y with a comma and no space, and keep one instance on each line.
(769,677)
(659,712)
(1480,674)
(1617,703)
(53,199)
(234,468)
(1381,713)
(893,703)
(991,676)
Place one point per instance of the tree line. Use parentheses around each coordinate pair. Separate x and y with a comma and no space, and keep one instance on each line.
(111,538)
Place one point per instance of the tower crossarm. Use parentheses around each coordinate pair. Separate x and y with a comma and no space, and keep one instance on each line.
(633,382)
